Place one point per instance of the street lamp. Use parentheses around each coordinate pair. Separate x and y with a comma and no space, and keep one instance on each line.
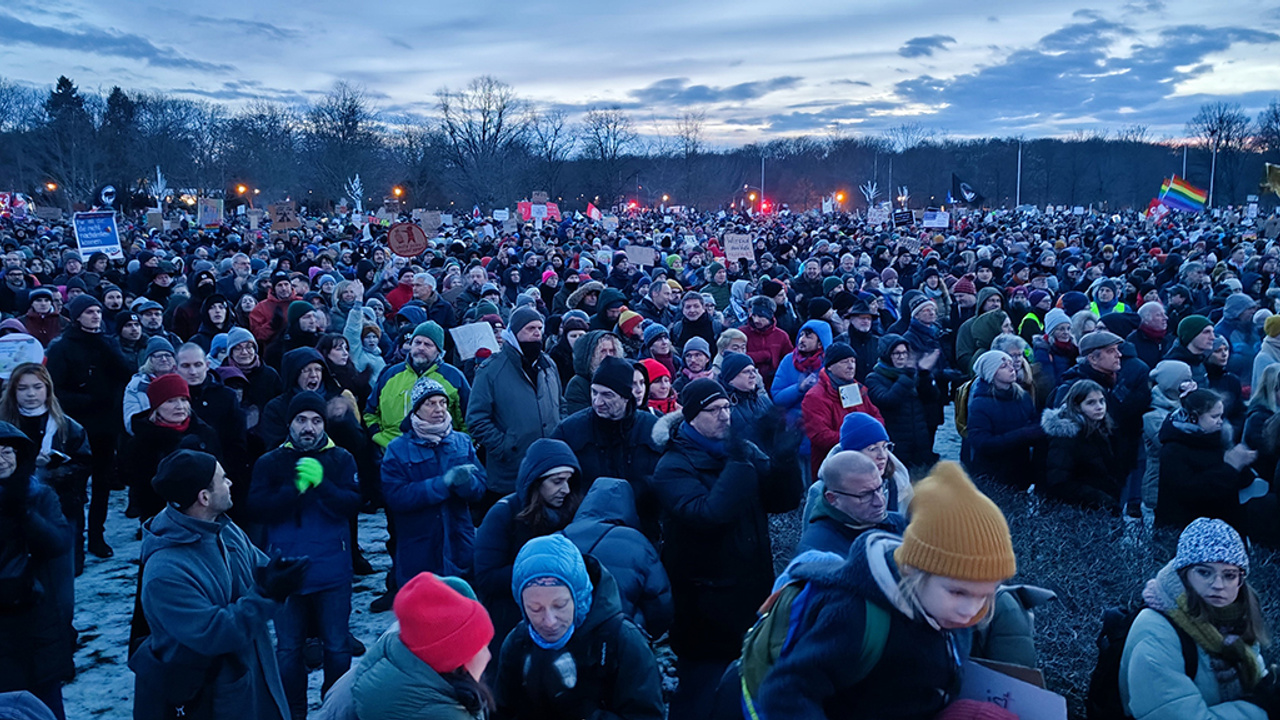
(241,190)
(51,186)
(397,191)
(665,198)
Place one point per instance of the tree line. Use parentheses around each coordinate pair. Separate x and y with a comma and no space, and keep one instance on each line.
(486,145)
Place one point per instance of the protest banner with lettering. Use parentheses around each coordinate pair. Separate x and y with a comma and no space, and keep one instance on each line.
(902,218)
(936,219)
(737,246)
(1023,699)
(641,255)
(97,232)
(610,223)
(472,337)
(284,216)
(877,216)
(209,213)
(501,214)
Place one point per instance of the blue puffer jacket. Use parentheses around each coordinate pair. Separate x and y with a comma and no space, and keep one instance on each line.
(786,390)
(812,680)
(607,527)
(434,531)
(315,524)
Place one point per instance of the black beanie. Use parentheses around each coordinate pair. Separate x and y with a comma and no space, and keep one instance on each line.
(770,288)
(182,475)
(837,352)
(615,374)
(306,400)
(698,394)
(818,307)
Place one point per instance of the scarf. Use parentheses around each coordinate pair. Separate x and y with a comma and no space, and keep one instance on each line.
(1066,349)
(33,413)
(714,448)
(887,370)
(431,434)
(691,375)
(807,364)
(180,427)
(668,361)
(1152,334)
(664,406)
(1219,636)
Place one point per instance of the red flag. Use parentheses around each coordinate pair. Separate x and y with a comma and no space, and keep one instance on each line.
(553,212)
(525,209)
(594,213)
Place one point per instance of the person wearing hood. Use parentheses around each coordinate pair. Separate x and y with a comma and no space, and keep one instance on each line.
(718,286)
(611,438)
(515,399)
(716,488)
(1003,425)
(902,387)
(215,319)
(90,374)
(1170,379)
(1195,342)
(927,589)
(41,321)
(767,344)
(547,495)
(1226,383)
(836,394)
(745,388)
(389,402)
(302,331)
(574,653)
(608,528)
(853,499)
(430,473)
(158,359)
(1240,332)
(304,493)
(573,327)
(190,315)
(590,350)
(37,640)
(304,370)
(1201,598)
(207,596)
(402,292)
(989,300)
(609,307)
(264,382)
(1201,475)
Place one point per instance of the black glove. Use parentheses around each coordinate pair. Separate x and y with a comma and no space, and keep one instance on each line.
(738,447)
(282,577)
(777,437)
(13,496)
(1266,694)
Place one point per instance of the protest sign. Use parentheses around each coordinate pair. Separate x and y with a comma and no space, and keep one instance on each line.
(45,212)
(155,220)
(430,221)
(97,232)
(446,218)
(641,255)
(539,197)
(553,212)
(539,212)
(877,216)
(501,215)
(737,246)
(610,223)
(284,216)
(510,226)
(406,240)
(1023,699)
(255,218)
(1077,210)
(209,213)
(934,219)
(902,217)
(472,337)
(18,348)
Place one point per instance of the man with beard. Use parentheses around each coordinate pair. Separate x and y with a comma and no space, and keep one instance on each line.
(695,321)
(13,294)
(390,401)
(267,319)
(239,281)
(151,315)
(476,278)
(305,494)
(516,400)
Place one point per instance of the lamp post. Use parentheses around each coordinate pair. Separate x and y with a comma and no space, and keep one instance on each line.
(1213,163)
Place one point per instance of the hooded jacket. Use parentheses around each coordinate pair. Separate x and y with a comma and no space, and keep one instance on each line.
(606,670)
(200,598)
(434,530)
(502,534)
(391,683)
(766,348)
(607,528)
(509,410)
(274,426)
(902,397)
(390,400)
(1195,481)
(1003,430)
(813,679)
(577,394)
(1081,467)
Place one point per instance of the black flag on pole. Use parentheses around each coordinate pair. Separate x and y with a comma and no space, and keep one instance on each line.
(963,193)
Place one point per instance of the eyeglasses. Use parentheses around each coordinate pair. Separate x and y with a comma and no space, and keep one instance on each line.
(1230,576)
(866,496)
(885,447)
(900,353)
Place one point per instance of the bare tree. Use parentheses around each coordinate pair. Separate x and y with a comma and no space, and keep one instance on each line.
(608,135)
(341,138)
(1267,137)
(551,140)
(263,144)
(1136,133)
(1225,131)
(689,127)
(484,125)
(907,136)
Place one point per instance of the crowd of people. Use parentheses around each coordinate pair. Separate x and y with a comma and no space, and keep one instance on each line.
(602,482)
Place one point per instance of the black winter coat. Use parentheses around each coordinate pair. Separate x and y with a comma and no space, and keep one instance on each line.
(1194,480)
(624,449)
(1003,430)
(1081,467)
(90,374)
(716,528)
(1149,350)
(903,397)
(149,445)
(1128,399)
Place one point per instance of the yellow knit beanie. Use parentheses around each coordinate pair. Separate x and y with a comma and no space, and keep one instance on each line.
(956,531)
(1272,326)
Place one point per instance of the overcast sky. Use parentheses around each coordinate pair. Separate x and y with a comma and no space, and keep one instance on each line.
(758,69)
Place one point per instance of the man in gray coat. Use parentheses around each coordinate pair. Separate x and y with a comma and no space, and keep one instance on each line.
(207,594)
(514,400)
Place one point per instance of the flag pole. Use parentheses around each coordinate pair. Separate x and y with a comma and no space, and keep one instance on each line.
(1018,196)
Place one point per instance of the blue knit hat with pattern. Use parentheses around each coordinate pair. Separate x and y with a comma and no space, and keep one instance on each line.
(1210,541)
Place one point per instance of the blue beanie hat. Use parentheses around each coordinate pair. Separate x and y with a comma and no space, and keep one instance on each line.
(553,560)
(860,430)
(1210,541)
(732,364)
(237,335)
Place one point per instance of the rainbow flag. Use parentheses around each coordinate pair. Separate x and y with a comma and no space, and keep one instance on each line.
(1182,195)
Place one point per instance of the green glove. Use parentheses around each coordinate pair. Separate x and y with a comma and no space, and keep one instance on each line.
(310,474)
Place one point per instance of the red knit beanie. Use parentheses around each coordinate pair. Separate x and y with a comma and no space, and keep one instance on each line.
(974,710)
(655,369)
(166,387)
(439,626)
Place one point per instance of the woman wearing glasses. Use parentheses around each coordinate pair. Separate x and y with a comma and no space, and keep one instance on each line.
(902,387)
(157,359)
(1200,600)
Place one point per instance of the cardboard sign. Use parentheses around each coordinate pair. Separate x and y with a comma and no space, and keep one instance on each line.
(610,223)
(641,255)
(431,221)
(903,217)
(155,220)
(738,246)
(471,337)
(850,395)
(446,218)
(406,240)
(18,348)
(935,219)
(284,216)
(45,212)
(501,215)
(877,216)
(97,232)
(510,226)
(209,213)
(255,218)
(1077,210)
(539,197)
(538,211)
(1021,698)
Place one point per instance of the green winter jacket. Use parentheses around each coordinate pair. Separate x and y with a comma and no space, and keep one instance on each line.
(391,683)
(389,403)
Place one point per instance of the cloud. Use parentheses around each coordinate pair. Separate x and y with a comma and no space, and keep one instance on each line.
(678,91)
(924,46)
(248,27)
(99,42)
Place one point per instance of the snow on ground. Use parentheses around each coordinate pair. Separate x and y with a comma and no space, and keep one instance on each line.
(103,686)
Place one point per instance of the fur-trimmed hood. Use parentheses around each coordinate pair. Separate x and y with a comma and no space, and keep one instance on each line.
(665,429)
(1058,422)
(588,287)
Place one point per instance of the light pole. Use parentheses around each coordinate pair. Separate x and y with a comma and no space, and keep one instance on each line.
(1213,163)
(1017,201)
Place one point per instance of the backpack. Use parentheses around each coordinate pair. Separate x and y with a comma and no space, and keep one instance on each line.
(1103,701)
(773,634)
(962,409)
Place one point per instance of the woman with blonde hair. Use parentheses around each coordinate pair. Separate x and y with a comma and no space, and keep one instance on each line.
(63,460)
